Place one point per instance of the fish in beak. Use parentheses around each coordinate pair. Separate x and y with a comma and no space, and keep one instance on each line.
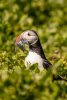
(20,41)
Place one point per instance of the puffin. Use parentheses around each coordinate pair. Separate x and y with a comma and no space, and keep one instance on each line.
(36,54)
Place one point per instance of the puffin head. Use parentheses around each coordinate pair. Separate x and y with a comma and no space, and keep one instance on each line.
(28,37)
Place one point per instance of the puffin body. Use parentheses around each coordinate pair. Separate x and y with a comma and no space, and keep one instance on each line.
(34,58)
(35,54)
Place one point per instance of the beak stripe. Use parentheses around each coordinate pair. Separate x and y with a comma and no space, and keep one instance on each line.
(17,39)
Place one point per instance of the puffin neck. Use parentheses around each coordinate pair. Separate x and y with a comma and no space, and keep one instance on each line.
(34,47)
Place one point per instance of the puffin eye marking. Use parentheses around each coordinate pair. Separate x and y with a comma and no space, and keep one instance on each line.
(29,34)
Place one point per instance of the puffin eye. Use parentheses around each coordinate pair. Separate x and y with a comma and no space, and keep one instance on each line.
(29,34)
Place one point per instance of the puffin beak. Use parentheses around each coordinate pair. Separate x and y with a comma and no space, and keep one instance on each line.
(20,41)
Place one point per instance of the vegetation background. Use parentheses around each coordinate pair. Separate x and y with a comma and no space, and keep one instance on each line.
(49,19)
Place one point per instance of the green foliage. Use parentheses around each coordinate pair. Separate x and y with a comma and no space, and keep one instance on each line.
(49,19)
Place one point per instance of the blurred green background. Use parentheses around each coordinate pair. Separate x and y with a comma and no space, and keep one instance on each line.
(49,19)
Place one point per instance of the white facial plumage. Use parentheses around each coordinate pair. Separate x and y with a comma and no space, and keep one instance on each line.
(30,36)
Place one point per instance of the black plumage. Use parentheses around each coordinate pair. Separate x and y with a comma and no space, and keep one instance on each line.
(37,48)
